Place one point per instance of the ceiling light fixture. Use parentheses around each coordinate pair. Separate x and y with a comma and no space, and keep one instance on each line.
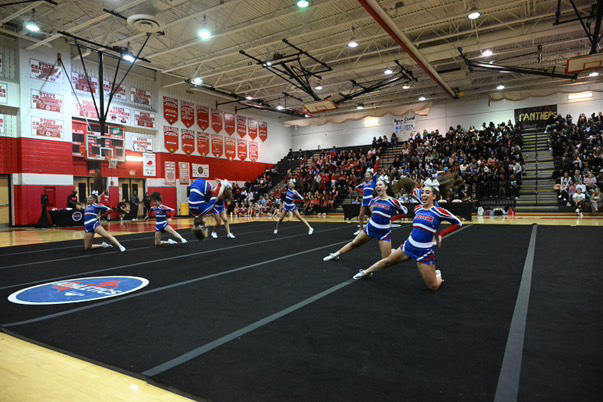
(352,43)
(279,107)
(318,87)
(487,53)
(249,97)
(580,95)
(500,87)
(32,25)
(197,81)
(303,3)
(388,71)
(405,86)
(422,98)
(593,74)
(360,106)
(127,55)
(473,14)
(204,33)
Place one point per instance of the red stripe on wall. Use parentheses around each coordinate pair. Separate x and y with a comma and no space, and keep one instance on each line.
(44,156)
(28,207)
(9,155)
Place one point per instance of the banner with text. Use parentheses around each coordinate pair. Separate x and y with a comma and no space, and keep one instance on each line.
(171,138)
(170,173)
(188,141)
(531,117)
(405,125)
(200,170)
(149,166)
(217,145)
(170,109)
(203,143)
(202,117)
(184,172)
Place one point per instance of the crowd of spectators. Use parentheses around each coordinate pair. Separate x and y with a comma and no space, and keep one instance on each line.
(577,148)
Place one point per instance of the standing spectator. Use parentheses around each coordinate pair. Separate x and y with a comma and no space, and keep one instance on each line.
(72,200)
(146,202)
(134,201)
(394,139)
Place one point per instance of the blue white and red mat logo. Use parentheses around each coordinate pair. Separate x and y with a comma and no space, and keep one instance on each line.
(78,290)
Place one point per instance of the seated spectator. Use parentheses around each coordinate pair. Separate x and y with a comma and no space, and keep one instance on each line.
(595,200)
(579,199)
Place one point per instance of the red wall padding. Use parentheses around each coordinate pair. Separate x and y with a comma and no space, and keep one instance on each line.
(169,196)
(27,202)
(218,168)
(41,156)
(9,156)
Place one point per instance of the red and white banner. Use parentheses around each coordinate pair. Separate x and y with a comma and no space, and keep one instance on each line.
(80,83)
(87,109)
(217,145)
(242,126)
(229,123)
(252,130)
(184,172)
(118,114)
(45,101)
(230,148)
(144,119)
(203,143)
(202,117)
(170,173)
(200,170)
(242,149)
(170,138)
(40,70)
(149,164)
(142,144)
(170,109)
(3,92)
(253,151)
(46,127)
(263,130)
(1,124)
(140,96)
(216,120)
(187,111)
(188,141)
(120,95)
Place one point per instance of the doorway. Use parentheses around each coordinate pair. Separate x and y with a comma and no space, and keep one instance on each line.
(130,187)
(4,200)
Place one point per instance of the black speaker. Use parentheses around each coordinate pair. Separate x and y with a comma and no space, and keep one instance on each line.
(44,199)
(188,191)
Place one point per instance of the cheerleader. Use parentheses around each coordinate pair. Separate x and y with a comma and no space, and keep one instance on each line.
(201,202)
(219,213)
(290,199)
(161,214)
(92,225)
(418,246)
(384,209)
(367,189)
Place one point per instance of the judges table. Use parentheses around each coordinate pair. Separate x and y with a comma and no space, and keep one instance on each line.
(460,209)
(67,217)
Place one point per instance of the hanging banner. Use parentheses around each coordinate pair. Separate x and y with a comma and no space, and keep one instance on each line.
(531,117)
(46,127)
(242,149)
(40,70)
(216,120)
(263,130)
(203,143)
(120,95)
(43,101)
(170,110)
(3,92)
(188,141)
(184,173)
(86,109)
(217,145)
(1,124)
(149,167)
(118,114)
(144,119)
(170,138)
(405,125)
(242,126)
(202,117)
(80,83)
(230,148)
(142,144)
(140,96)
(187,111)
(229,123)
(252,128)
(200,170)
(253,151)
(170,173)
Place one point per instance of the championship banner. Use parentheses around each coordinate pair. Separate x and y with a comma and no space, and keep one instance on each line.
(170,110)
(405,125)
(242,126)
(44,101)
(531,117)
(144,119)
(142,144)
(252,128)
(216,120)
(200,170)
(188,141)
(230,148)
(3,92)
(242,149)
(170,138)
(140,96)
(40,70)
(46,127)
(202,117)
(203,143)
(229,123)
(118,114)
(80,83)
(170,173)
(187,111)
(184,173)
(263,130)
(86,109)
(149,164)
(253,151)
(217,145)
(120,95)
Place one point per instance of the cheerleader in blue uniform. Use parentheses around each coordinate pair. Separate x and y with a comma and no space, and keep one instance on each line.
(219,214)
(290,199)
(161,214)
(202,200)
(384,209)
(419,246)
(368,193)
(92,225)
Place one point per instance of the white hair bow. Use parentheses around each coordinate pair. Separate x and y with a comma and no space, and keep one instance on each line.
(384,179)
(433,183)
(292,181)
(370,171)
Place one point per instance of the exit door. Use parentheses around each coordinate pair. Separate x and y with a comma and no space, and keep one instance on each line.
(4,201)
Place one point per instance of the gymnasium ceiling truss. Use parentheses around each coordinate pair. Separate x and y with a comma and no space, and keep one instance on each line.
(28,1)
(596,14)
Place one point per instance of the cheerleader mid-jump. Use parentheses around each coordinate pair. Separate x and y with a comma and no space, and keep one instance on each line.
(161,214)
(367,188)
(384,209)
(419,246)
(220,217)
(290,199)
(92,225)
(202,200)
